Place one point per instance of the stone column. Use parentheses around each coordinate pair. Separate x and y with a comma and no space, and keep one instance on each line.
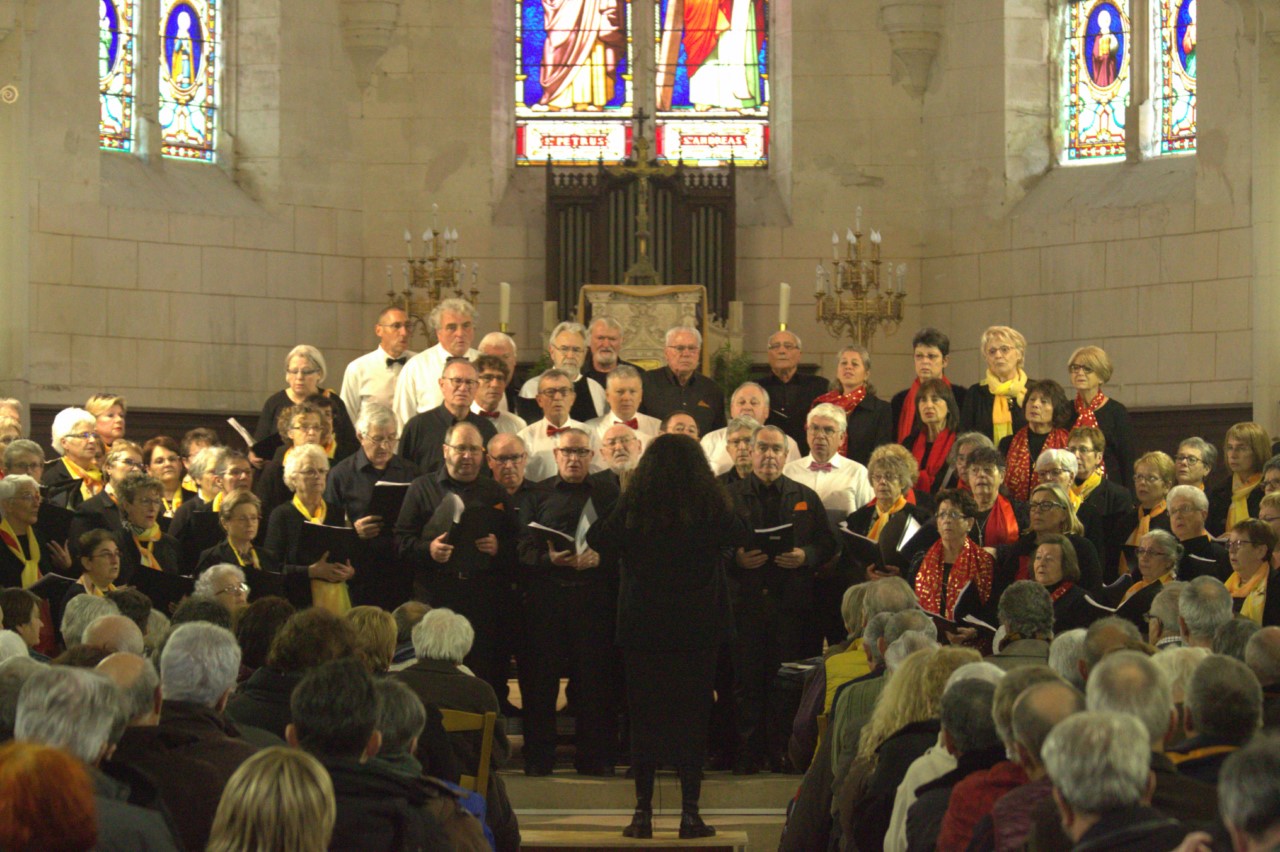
(1262,25)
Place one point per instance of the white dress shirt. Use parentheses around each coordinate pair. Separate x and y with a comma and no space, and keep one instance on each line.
(646,431)
(506,423)
(844,489)
(541,448)
(370,378)
(717,450)
(418,388)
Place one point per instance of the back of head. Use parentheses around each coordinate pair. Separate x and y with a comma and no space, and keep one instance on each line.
(335,709)
(1177,665)
(407,616)
(401,716)
(1249,789)
(905,620)
(13,674)
(1262,655)
(375,634)
(1165,607)
(1224,700)
(891,594)
(114,634)
(872,633)
(309,638)
(913,694)
(133,605)
(1106,635)
(1026,609)
(1008,689)
(279,800)
(199,664)
(11,645)
(137,680)
(966,716)
(1231,638)
(257,626)
(1038,710)
(906,645)
(977,670)
(1204,606)
(1066,653)
(201,608)
(48,800)
(443,634)
(72,709)
(1098,761)
(1129,683)
(851,608)
(672,488)
(79,612)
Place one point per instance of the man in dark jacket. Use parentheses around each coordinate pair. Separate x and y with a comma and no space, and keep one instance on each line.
(335,718)
(1223,710)
(190,751)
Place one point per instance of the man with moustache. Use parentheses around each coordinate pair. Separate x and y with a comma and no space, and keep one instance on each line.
(571,601)
(620,449)
(423,439)
(449,569)
(555,397)
(604,340)
(494,376)
(381,578)
(568,348)
(417,388)
(372,377)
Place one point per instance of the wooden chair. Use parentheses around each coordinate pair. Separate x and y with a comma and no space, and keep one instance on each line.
(456,721)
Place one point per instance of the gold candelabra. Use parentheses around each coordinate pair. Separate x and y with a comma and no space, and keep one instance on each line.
(434,274)
(858,295)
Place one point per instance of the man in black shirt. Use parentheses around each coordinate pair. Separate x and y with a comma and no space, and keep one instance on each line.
(423,438)
(791,393)
(571,602)
(568,349)
(604,344)
(381,578)
(680,387)
(773,601)
(451,567)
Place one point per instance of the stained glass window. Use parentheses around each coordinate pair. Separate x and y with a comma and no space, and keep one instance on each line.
(573,81)
(1175,36)
(189,54)
(1097,55)
(116,64)
(712,81)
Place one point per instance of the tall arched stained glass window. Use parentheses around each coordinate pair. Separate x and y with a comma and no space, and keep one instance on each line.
(190,49)
(1175,30)
(117,61)
(712,81)
(1098,59)
(573,81)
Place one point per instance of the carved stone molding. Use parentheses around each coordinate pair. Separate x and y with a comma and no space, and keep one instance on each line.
(367,26)
(915,31)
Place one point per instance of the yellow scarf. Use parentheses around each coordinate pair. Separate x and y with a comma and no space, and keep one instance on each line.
(1143,527)
(1239,510)
(1081,492)
(217,501)
(331,596)
(171,506)
(883,517)
(253,555)
(146,542)
(31,566)
(1142,584)
(91,589)
(1001,413)
(90,480)
(189,483)
(1254,593)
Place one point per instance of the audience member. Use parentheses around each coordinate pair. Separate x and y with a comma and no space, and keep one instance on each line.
(1223,710)
(80,611)
(114,633)
(1066,656)
(1026,614)
(375,637)
(1230,638)
(280,799)
(1163,628)
(48,801)
(13,674)
(1249,789)
(256,628)
(1204,605)
(1262,656)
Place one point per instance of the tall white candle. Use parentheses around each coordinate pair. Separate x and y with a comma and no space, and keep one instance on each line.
(835,246)
(504,303)
(408,244)
(784,303)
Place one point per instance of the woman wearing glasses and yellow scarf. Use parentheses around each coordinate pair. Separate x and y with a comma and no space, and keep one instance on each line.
(993,406)
(24,556)
(75,477)
(304,371)
(143,547)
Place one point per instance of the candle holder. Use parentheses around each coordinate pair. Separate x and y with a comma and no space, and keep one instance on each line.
(436,274)
(857,296)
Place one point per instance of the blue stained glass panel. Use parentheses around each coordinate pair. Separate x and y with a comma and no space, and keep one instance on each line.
(117,63)
(1096,85)
(1176,36)
(190,47)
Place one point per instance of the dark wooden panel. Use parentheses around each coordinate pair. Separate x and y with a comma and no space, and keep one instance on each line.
(145,423)
(1165,428)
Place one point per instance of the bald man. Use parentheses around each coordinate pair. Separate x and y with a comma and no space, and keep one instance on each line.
(114,633)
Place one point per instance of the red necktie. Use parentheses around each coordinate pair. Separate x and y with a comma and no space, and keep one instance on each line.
(828,466)
(492,415)
(552,431)
(634,422)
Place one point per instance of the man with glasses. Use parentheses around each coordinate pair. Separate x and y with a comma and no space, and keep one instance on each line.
(451,568)
(1188,510)
(372,377)
(423,436)
(624,391)
(737,441)
(748,400)
(381,579)
(680,387)
(494,375)
(555,397)
(619,448)
(417,387)
(773,605)
(508,460)
(570,615)
(791,392)
(568,350)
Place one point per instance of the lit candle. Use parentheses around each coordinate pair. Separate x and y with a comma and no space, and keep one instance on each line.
(784,304)
(405,268)
(408,244)
(848,235)
(835,246)
(504,304)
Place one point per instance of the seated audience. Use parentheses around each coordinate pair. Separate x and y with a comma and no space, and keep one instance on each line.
(1262,656)
(414,741)
(279,799)
(407,616)
(21,614)
(1066,657)
(49,801)
(375,633)
(79,613)
(1204,605)
(1163,630)
(1026,614)
(1247,789)
(1230,639)
(1223,710)
(114,634)
(256,628)
(226,585)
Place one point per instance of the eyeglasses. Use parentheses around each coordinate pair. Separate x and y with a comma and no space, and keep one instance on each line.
(491,378)
(509,459)
(1185,459)
(109,555)
(1149,551)
(1233,546)
(1080,451)
(309,371)
(245,519)
(1052,472)
(1146,478)
(394,326)
(238,589)
(574,452)
(383,442)
(883,479)
(135,464)
(83,436)
(738,442)
(788,346)
(999,350)
(823,430)
(27,497)
(461,383)
(464,450)
(555,393)
(1183,510)
(570,350)
(775,449)
(949,516)
(1080,368)
(309,429)
(685,350)
(1044,505)
(312,472)
(148,502)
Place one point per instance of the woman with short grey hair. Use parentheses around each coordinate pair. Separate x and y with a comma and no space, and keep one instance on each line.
(25,556)
(305,471)
(226,584)
(1157,556)
(304,372)
(75,440)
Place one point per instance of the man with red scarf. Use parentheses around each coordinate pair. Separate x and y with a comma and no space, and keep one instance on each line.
(930,348)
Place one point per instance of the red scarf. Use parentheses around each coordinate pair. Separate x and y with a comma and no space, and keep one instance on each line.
(930,468)
(1062,589)
(1018,471)
(1002,524)
(907,416)
(1085,416)
(849,402)
(974,564)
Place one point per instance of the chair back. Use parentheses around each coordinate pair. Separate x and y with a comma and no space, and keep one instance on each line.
(457,721)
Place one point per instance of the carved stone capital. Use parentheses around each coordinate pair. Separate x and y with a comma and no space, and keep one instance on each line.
(915,31)
(367,26)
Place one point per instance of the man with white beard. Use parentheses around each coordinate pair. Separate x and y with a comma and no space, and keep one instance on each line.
(568,350)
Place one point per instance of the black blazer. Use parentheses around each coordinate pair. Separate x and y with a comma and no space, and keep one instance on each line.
(1072,610)
(60,487)
(263,582)
(1008,560)
(99,512)
(1136,607)
(11,566)
(860,522)
(1220,504)
(284,530)
(1204,556)
(869,426)
(1113,422)
(975,413)
(1121,530)
(222,553)
(167,552)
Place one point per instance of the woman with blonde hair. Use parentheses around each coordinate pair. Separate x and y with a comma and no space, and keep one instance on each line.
(109,411)
(1246,449)
(1089,369)
(279,800)
(993,406)
(1153,476)
(375,637)
(903,725)
(868,419)
(892,471)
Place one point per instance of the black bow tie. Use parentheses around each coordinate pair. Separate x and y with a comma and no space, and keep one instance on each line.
(399,360)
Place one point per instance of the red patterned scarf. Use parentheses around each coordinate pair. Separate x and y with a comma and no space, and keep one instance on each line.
(849,402)
(1002,524)
(1018,471)
(1062,589)
(973,565)
(1086,416)
(931,467)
